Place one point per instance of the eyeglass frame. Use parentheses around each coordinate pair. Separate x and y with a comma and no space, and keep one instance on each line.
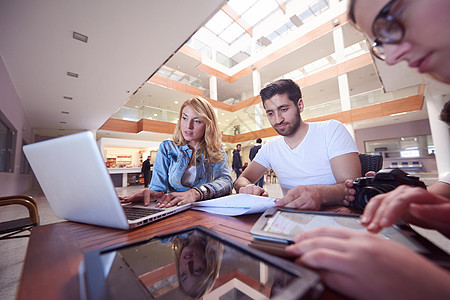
(378,42)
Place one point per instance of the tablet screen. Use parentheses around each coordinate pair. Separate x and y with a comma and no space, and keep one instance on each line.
(192,265)
(293,223)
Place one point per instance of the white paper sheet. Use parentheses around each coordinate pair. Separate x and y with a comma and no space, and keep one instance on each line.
(235,205)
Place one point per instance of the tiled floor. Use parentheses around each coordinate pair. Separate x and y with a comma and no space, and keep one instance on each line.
(13,251)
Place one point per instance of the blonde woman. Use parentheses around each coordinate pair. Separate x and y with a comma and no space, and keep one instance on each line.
(191,167)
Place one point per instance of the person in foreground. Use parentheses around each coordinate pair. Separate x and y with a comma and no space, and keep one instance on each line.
(360,264)
(311,160)
(415,31)
(191,167)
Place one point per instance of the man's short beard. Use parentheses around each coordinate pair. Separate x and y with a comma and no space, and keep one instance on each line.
(293,128)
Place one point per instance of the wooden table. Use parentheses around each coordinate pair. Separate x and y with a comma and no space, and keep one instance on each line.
(55,251)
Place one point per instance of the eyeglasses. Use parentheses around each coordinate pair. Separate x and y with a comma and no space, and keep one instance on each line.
(387,29)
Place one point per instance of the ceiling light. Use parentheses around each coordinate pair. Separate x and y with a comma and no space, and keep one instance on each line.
(155,115)
(71,74)
(176,102)
(80,37)
(68,98)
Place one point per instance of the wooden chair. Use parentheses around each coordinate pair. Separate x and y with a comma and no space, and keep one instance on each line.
(370,162)
(9,229)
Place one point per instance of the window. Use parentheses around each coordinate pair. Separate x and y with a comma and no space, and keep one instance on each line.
(24,164)
(7,145)
(402,147)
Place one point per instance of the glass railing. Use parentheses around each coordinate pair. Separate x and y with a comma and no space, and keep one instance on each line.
(180,76)
(154,113)
(146,112)
(244,124)
(323,109)
(128,114)
(379,96)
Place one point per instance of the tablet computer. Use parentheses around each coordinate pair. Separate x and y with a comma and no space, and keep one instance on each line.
(281,225)
(191,264)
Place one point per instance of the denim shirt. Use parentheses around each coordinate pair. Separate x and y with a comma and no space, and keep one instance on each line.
(172,161)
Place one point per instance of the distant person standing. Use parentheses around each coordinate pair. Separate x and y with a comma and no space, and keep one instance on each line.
(253,151)
(146,171)
(237,161)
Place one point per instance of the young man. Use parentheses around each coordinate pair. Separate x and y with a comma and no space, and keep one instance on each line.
(237,161)
(311,160)
(253,151)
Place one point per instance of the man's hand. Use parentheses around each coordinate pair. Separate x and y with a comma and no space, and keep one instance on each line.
(253,190)
(302,196)
(145,195)
(350,191)
(178,198)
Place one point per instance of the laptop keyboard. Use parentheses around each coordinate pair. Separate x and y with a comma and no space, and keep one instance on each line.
(134,213)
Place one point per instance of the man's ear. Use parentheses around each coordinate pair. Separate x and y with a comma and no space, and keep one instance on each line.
(300,105)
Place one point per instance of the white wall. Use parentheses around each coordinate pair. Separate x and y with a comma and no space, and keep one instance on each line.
(10,105)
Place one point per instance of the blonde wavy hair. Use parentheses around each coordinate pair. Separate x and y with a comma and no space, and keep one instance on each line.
(213,261)
(212,139)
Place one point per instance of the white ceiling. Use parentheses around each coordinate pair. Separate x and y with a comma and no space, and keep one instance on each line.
(127,42)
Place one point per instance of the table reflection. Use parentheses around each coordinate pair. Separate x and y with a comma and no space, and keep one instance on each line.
(190,265)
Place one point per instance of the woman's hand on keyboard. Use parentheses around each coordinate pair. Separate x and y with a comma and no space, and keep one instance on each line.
(178,198)
(145,195)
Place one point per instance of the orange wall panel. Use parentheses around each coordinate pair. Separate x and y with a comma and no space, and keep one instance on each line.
(156,126)
(120,125)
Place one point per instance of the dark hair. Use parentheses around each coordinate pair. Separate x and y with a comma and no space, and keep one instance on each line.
(259,141)
(280,87)
(351,11)
(445,113)
(238,145)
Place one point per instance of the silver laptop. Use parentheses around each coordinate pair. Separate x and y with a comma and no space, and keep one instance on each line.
(74,178)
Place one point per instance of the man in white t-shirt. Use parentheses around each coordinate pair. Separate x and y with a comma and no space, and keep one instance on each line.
(311,160)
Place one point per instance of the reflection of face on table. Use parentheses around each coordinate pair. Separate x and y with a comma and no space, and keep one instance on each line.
(198,260)
(192,265)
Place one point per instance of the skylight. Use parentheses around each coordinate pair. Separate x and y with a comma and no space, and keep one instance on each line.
(248,26)
(219,22)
